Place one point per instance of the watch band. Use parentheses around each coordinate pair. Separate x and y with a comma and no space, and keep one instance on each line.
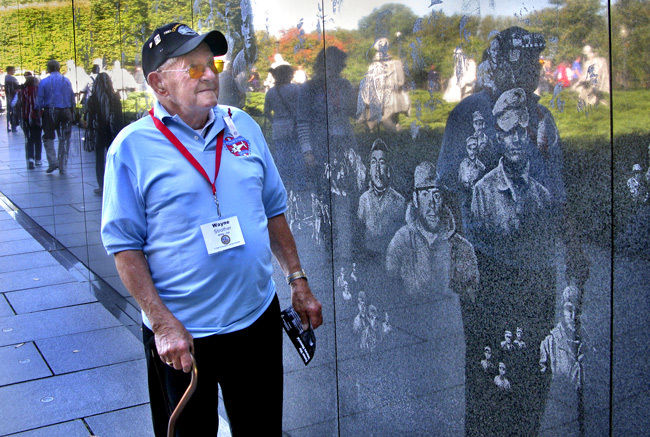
(296,275)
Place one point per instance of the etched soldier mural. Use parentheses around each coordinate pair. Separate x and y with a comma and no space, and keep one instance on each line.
(506,344)
(381,208)
(500,380)
(382,94)
(486,362)
(561,353)
(637,186)
(427,253)
(519,339)
(471,168)
(513,218)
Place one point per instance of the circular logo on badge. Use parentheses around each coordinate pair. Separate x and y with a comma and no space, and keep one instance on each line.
(225,239)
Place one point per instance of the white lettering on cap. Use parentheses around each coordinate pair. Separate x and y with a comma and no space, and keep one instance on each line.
(157,39)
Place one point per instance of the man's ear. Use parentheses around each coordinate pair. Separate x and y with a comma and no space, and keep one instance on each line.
(155,81)
(415,198)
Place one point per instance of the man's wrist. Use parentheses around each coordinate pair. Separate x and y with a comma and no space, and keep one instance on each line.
(298,274)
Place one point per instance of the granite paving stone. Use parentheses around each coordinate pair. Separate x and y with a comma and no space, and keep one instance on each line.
(5,308)
(47,401)
(134,421)
(55,322)
(39,276)
(74,428)
(21,362)
(23,261)
(50,296)
(90,349)
(25,246)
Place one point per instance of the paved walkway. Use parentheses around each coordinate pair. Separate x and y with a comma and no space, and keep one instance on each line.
(71,359)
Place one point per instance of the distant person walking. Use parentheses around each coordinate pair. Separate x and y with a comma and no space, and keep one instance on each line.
(30,120)
(11,88)
(104,120)
(280,106)
(56,100)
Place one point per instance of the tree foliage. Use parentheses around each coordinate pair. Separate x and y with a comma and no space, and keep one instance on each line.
(34,31)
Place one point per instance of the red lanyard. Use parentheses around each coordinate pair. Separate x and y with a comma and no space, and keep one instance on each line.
(181,148)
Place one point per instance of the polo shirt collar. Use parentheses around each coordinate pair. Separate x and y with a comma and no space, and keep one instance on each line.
(214,125)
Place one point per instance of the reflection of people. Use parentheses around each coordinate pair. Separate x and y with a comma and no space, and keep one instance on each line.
(560,351)
(11,88)
(427,253)
(361,319)
(381,92)
(594,79)
(280,106)
(105,120)
(500,380)
(158,218)
(324,111)
(381,208)
(30,120)
(371,334)
(56,99)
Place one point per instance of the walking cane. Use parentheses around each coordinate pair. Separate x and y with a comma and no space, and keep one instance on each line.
(184,400)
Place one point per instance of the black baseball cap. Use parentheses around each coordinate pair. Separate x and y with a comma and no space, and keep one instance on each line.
(176,39)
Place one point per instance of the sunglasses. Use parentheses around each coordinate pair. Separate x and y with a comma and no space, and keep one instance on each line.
(197,71)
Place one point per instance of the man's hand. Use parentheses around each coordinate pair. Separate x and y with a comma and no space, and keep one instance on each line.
(174,344)
(305,304)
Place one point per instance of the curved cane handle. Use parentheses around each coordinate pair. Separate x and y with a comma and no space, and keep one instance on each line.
(184,400)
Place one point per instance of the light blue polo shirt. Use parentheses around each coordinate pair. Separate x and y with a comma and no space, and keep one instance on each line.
(156,201)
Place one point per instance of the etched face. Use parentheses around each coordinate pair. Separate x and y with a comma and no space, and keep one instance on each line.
(429,204)
(508,337)
(478,125)
(488,353)
(514,143)
(520,333)
(502,369)
(472,146)
(379,175)
(569,316)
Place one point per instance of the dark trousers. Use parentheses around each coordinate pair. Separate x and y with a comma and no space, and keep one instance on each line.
(509,297)
(101,144)
(246,364)
(33,146)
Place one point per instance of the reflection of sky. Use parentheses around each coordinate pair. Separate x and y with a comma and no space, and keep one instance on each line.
(285,14)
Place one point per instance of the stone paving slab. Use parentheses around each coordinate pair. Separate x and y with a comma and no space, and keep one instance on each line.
(56,322)
(86,350)
(5,309)
(72,396)
(134,421)
(67,429)
(50,297)
(21,363)
(26,246)
(28,278)
(22,261)
(13,235)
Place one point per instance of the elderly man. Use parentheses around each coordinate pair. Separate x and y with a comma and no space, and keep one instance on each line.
(427,253)
(193,208)
(56,99)
(381,208)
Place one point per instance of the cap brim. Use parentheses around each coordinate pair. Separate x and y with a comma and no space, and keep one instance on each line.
(214,39)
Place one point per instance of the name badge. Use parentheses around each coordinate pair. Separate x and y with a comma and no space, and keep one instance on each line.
(222,235)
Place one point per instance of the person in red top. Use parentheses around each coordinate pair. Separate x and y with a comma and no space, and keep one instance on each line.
(562,74)
(30,120)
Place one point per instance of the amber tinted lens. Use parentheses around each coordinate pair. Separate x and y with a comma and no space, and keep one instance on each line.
(196,71)
(218,65)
